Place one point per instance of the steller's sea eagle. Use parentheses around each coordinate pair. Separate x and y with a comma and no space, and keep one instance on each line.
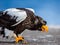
(19,19)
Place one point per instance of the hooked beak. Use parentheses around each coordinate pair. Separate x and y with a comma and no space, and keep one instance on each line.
(44,28)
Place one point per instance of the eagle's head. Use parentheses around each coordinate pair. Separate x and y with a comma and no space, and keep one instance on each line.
(40,24)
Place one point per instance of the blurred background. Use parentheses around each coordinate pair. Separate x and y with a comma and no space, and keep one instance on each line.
(47,9)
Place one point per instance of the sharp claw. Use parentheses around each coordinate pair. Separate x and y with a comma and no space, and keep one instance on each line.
(19,38)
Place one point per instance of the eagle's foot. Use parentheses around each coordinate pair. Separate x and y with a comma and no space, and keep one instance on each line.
(20,39)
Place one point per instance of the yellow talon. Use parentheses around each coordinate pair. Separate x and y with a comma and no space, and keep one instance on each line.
(19,38)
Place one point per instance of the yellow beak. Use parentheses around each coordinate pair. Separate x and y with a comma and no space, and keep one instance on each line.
(44,28)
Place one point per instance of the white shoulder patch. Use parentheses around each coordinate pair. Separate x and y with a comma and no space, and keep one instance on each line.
(21,14)
(31,9)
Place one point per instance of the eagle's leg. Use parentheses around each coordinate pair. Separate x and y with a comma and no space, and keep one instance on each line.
(19,29)
(18,38)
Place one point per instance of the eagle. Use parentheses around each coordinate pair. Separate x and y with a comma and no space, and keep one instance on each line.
(19,19)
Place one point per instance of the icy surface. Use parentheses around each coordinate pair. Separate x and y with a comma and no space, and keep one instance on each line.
(38,38)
